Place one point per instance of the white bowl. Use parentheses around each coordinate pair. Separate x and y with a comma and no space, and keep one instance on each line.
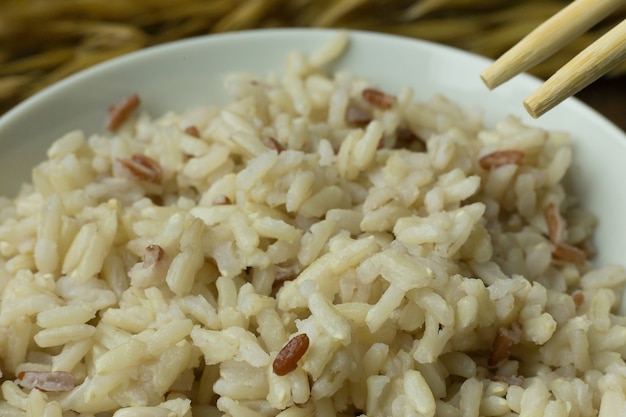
(188,73)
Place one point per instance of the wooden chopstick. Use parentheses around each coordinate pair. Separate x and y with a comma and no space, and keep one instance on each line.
(549,37)
(586,67)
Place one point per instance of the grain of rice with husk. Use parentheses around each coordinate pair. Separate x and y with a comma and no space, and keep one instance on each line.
(317,246)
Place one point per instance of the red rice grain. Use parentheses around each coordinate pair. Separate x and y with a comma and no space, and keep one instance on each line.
(503,343)
(378,98)
(555,223)
(568,253)
(272,143)
(140,167)
(221,200)
(119,112)
(287,359)
(500,158)
(192,131)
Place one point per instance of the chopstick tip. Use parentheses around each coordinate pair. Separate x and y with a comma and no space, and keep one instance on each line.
(487,81)
(533,111)
(493,77)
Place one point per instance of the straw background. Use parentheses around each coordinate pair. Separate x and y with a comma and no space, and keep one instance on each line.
(43,41)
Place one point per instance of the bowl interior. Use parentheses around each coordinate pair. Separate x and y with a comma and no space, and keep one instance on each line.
(189,73)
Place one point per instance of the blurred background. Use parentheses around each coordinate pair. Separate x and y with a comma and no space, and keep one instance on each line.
(43,41)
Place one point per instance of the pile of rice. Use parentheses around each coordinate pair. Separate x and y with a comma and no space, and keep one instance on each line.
(437,268)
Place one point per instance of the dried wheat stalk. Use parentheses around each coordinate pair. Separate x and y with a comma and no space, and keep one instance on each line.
(43,41)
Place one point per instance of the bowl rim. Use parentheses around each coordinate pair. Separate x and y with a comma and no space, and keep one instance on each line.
(531,81)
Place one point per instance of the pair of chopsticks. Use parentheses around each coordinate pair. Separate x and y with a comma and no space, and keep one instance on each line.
(586,67)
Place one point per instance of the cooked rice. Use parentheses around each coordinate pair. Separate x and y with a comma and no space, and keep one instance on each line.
(165,265)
